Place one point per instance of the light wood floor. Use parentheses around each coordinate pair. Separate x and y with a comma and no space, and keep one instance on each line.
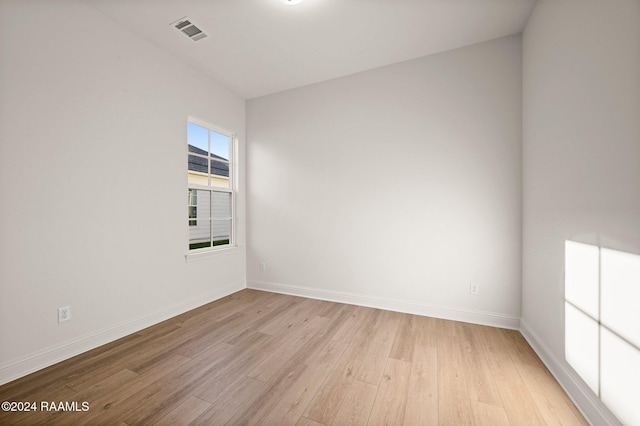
(263,358)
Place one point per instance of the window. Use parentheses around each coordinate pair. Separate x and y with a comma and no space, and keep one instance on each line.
(602,324)
(210,180)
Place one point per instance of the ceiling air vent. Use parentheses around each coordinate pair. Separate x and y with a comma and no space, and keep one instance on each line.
(189,29)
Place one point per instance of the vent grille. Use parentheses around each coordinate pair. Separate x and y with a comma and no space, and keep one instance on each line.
(188,28)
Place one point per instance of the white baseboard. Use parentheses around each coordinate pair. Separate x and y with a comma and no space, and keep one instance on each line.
(587,402)
(455,314)
(15,369)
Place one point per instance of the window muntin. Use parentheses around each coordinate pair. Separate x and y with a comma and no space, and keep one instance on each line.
(211,197)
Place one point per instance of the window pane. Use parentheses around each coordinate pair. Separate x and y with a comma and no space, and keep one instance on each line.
(221,205)
(219,174)
(200,231)
(198,164)
(221,232)
(581,345)
(192,199)
(220,145)
(620,378)
(198,139)
(193,213)
(219,168)
(204,203)
(197,170)
(200,234)
(620,293)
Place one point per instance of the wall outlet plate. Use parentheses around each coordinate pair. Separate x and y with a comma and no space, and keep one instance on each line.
(474,289)
(64,314)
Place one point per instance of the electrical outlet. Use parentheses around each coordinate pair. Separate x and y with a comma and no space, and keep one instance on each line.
(263,266)
(474,289)
(64,314)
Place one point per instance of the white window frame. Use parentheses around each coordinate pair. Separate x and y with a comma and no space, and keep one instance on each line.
(233,148)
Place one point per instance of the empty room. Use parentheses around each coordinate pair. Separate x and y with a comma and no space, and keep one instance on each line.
(320,212)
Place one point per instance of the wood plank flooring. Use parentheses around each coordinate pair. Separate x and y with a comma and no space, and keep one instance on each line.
(257,358)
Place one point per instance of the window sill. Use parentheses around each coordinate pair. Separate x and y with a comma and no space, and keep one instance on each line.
(206,254)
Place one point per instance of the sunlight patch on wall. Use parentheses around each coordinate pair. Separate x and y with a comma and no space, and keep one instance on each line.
(620,294)
(602,324)
(582,345)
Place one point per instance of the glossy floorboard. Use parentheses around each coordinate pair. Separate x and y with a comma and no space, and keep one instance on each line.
(261,358)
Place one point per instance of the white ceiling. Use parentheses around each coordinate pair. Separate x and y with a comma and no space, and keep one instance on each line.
(258,47)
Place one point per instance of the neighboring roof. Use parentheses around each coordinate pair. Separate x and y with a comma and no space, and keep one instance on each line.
(199,164)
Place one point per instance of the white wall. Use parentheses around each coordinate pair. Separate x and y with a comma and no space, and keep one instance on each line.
(581,178)
(93,183)
(396,187)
